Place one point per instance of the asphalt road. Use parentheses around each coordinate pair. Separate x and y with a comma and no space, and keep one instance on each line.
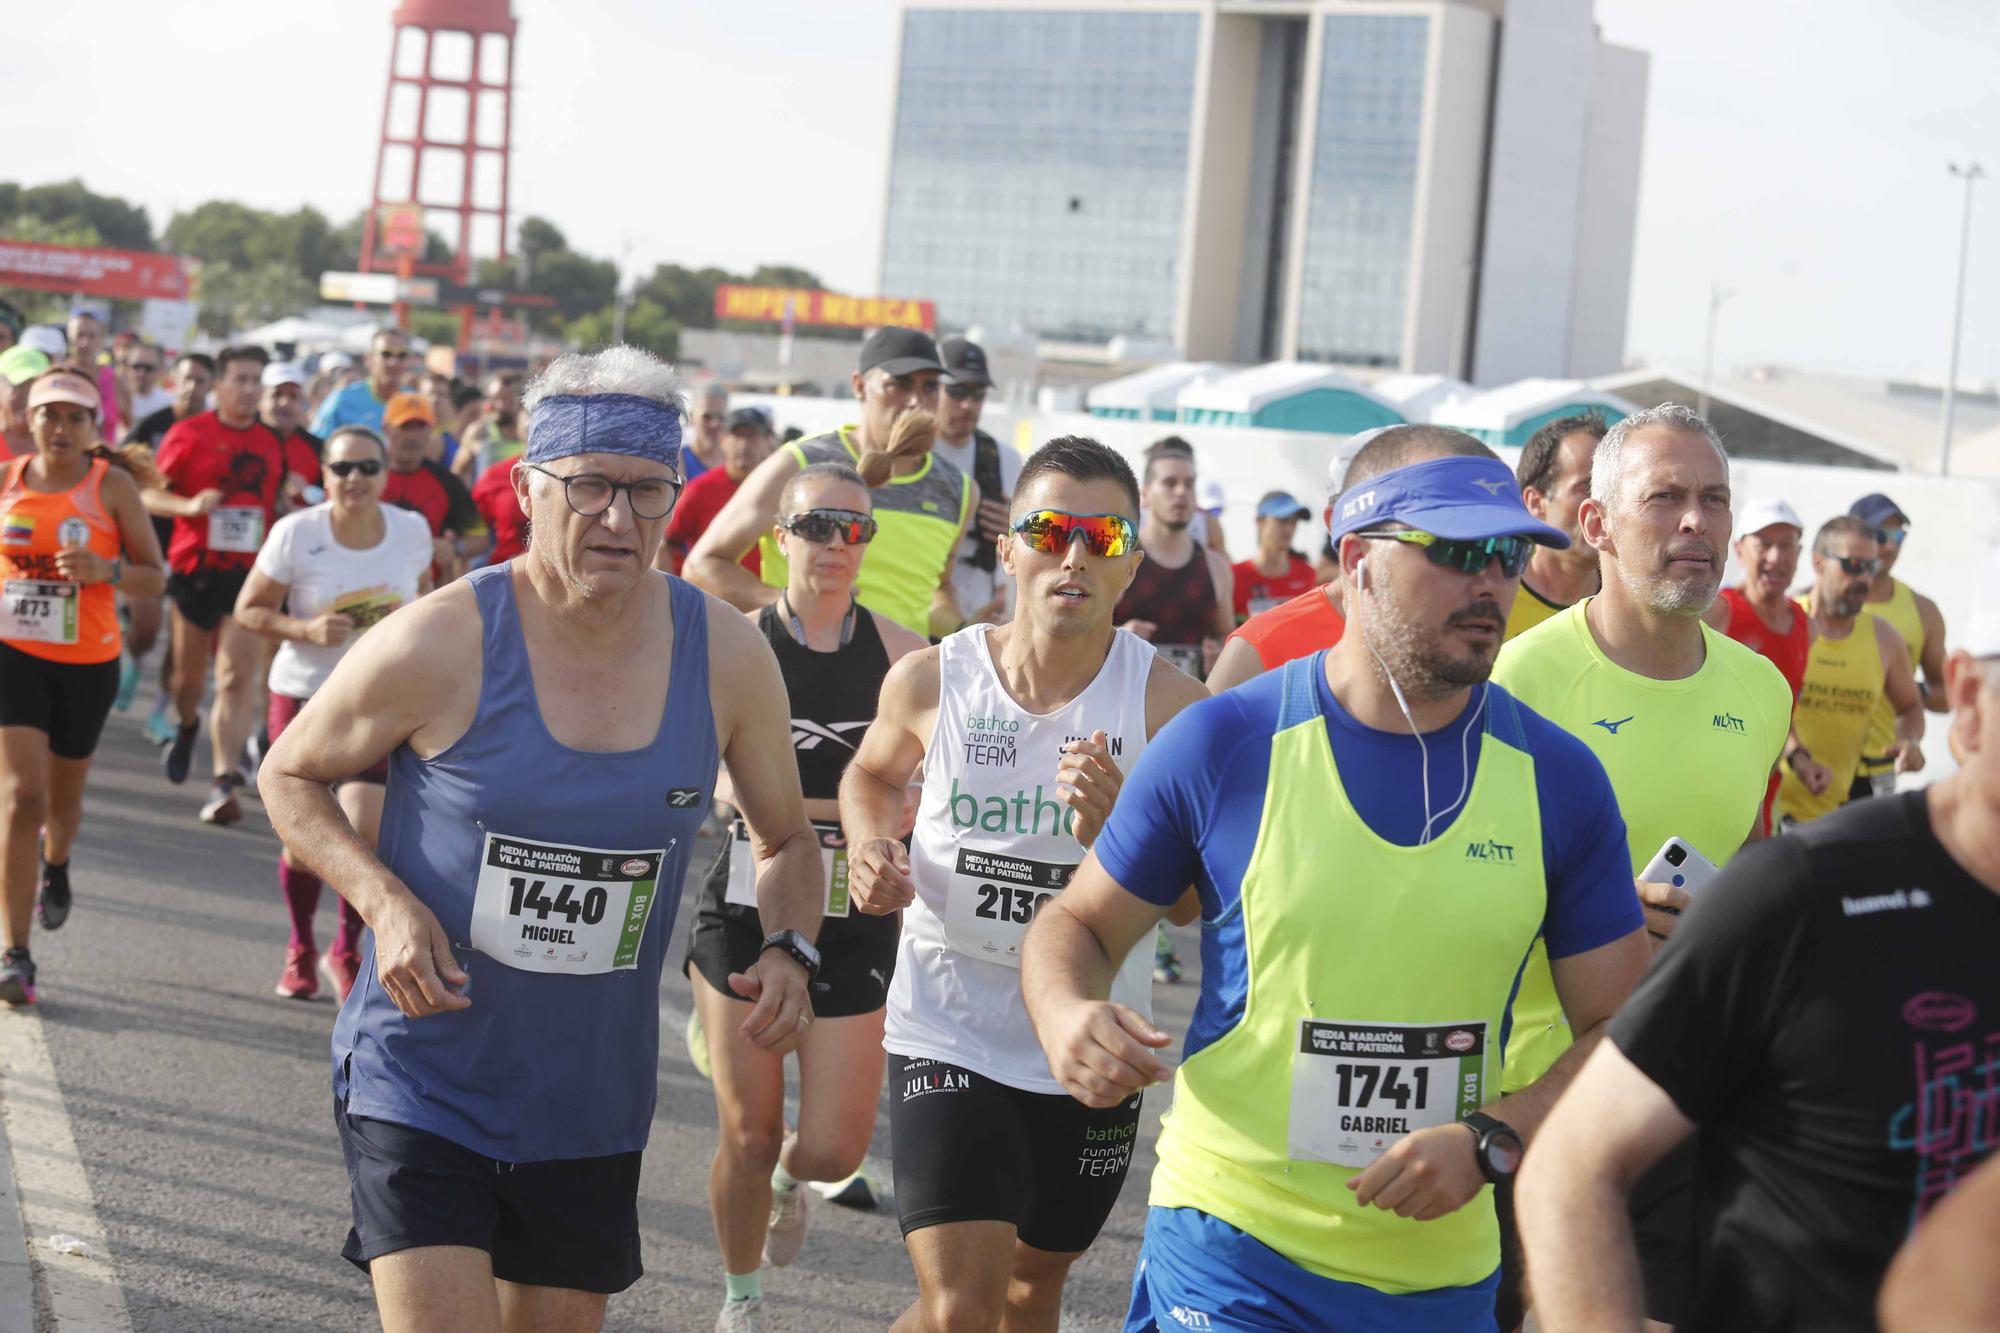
(201,1114)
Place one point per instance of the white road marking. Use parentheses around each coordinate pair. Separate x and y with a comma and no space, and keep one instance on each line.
(55,1193)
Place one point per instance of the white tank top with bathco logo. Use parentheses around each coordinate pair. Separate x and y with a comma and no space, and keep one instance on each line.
(992,844)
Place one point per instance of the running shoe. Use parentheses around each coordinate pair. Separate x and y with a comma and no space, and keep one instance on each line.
(223,808)
(128,682)
(787,1235)
(180,755)
(158,730)
(697,1042)
(298,981)
(1166,963)
(17,977)
(53,903)
(341,969)
(857,1191)
(744,1316)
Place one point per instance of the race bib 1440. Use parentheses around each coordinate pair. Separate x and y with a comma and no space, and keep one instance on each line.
(545,907)
(1358,1087)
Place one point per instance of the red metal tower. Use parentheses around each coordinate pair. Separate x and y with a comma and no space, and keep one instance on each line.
(452,113)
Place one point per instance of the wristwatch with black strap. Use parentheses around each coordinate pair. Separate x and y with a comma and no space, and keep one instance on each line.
(1498,1147)
(798,946)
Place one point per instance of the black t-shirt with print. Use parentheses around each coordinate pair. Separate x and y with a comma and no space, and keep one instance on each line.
(1828,1012)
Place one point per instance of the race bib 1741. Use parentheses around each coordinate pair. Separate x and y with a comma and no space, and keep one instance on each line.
(545,907)
(1358,1087)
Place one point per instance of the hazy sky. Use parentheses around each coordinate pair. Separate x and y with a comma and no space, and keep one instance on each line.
(1795,149)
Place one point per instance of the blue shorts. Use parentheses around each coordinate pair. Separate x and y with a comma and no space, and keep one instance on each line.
(1198,1272)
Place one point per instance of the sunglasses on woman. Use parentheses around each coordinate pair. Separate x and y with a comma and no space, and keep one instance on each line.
(367,467)
(1467,557)
(821,525)
(1051,531)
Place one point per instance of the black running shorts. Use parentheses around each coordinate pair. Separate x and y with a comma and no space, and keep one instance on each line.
(857,952)
(968,1149)
(572,1223)
(204,597)
(66,701)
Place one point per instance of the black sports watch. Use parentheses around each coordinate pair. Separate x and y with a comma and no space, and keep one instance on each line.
(803,953)
(1498,1149)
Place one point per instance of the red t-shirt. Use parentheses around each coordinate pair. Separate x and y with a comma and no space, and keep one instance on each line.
(302,450)
(1788,652)
(1297,628)
(247,466)
(699,504)
(493,495)
(433,491)
(1257,592)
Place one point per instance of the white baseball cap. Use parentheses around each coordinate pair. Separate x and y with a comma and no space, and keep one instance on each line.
(1981,636)
(1761,514)
(1208,494)
(47,339)
(283,372)
(1343,457)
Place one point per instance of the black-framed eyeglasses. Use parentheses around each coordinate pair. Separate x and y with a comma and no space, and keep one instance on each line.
(388,355)
(591,493)
(367,467)
(821,525)
(960,393)
(1853,565)
(1467,557)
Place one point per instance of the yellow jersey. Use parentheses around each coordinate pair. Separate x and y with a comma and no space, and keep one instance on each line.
(1903,617)
(1842,688)
(1688,758)
(1530,609)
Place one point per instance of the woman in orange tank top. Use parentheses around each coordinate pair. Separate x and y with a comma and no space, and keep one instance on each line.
(72,528)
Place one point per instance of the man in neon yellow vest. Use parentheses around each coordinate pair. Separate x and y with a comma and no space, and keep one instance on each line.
(1377,837)
(923,505)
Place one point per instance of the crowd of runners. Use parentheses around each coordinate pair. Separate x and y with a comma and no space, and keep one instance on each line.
(1565,944)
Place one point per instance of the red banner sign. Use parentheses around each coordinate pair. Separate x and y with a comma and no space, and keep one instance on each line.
(792,305)
(122,275)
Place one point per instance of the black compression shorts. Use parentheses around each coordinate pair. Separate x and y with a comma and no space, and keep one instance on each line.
(968,1149)
(67,701)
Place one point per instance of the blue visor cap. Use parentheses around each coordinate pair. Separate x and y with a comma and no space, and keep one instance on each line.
(1460,498)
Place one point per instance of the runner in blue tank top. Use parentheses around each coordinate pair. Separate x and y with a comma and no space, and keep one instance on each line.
(493,1068)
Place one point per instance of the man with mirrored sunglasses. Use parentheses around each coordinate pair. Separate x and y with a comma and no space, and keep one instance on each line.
(1912,615)
(1857,664)
(1024,732)
(1687,722)
(1376,836)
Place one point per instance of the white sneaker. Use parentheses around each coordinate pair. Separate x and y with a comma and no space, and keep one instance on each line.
(744,1316)
(787,1234)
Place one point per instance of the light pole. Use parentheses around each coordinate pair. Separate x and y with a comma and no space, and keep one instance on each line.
(1717,294)
(1970,173)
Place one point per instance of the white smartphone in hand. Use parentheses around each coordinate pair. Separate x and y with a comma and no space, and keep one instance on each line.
(1680,865)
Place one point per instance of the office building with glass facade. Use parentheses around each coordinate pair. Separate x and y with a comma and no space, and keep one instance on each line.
(1349,181)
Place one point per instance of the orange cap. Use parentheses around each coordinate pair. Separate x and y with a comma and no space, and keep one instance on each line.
(404,408)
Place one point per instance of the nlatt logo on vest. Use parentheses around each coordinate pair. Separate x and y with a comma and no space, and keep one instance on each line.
(1020,813)
(1730,722)
(1496,853)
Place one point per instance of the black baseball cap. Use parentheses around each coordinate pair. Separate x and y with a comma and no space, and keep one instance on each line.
(1875,509)
(750,418)
(965,362)
(899,351)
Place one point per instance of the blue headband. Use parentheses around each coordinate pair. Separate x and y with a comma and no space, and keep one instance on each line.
(604,423)
(1461,498)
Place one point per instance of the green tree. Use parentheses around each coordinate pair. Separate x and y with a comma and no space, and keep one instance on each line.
(236,297)
(647,325)
(118,224)
(536,237)
(784,275)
